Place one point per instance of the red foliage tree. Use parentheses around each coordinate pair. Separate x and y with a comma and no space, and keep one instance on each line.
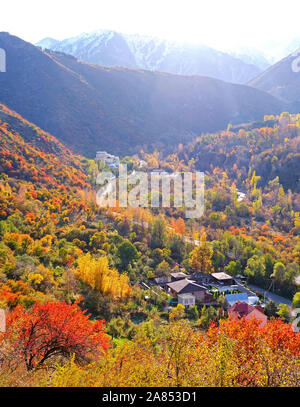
(54,329)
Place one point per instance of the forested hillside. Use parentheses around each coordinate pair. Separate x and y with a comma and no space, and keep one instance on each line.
(270,148)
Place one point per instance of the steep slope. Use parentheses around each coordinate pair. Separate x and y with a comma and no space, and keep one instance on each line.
(282,80)
(90,107)
(109,48)
(30,154)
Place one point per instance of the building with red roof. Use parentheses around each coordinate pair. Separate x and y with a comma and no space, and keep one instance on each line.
(243,310)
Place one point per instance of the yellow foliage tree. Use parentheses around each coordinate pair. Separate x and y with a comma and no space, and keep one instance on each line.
(200,257)
(98,274)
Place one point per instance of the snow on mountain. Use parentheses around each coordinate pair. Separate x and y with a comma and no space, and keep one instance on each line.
(109,48)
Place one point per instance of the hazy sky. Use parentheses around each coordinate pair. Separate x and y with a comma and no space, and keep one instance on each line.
(219,23)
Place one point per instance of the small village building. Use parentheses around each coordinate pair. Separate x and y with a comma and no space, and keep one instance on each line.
(244,310)
(187,300)
(110,160)
(223,278)
(186,287)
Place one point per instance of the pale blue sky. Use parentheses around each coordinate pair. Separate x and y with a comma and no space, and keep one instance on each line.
(219,23)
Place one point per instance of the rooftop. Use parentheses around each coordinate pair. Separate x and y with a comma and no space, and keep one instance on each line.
(185,286)
(243,308)
(221,276)
(179,275)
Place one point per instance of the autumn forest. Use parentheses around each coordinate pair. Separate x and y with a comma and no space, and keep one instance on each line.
(75,279)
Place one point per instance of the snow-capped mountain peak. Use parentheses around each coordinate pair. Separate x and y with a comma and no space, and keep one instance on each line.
(110,48)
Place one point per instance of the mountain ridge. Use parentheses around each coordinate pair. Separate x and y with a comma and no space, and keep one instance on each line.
(282,79)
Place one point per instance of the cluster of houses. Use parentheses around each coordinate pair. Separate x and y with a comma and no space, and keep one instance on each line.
(113,161)
(110,160)
(206,288)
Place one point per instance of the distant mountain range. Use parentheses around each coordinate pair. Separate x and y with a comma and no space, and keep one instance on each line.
(89,107)
(242,65)
(110,48)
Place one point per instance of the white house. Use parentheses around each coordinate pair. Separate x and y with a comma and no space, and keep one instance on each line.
(111,160)
(186,299)
(101,155)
